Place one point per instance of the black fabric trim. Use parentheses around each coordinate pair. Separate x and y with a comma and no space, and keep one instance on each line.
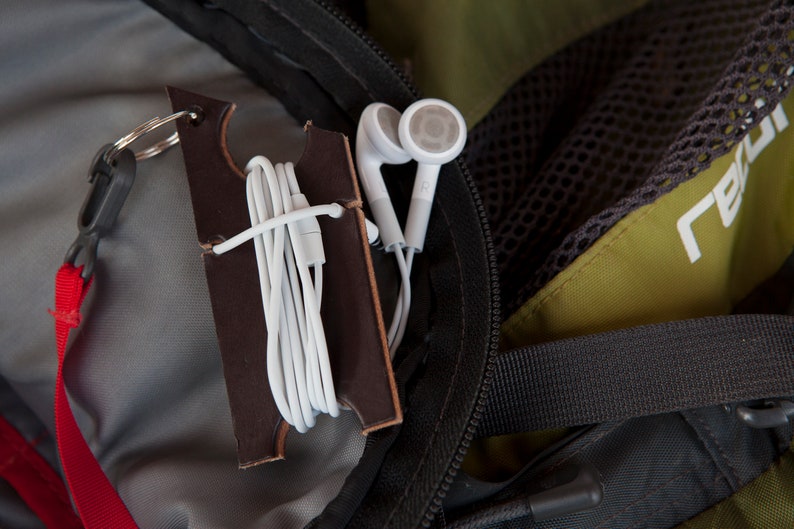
(641,371)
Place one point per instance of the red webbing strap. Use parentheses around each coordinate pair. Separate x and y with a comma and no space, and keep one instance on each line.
(97,501)
(39,486)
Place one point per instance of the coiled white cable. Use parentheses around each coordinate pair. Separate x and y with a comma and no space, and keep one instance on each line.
(288,244)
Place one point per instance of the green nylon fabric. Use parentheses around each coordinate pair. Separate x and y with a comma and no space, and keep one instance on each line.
(766,503)
(643,272)
(652,266)
(470,52)
(697,251)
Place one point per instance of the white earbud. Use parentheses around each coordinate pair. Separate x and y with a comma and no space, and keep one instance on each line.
(433,133)
(377,142)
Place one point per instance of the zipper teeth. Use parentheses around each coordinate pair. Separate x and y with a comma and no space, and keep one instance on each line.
(490,366)
(375,46)
(494,302)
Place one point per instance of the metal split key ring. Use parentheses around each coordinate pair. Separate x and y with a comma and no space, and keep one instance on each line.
(145,128)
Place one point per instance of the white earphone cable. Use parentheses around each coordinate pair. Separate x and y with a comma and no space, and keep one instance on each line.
(289,256)
(288,248)
(400,317)
(403,305)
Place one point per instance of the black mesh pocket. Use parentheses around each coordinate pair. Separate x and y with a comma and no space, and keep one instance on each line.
(616,120)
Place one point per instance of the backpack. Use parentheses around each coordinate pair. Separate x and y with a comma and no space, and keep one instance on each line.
(601,331)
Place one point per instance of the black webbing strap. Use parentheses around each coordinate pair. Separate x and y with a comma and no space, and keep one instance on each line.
(641,371)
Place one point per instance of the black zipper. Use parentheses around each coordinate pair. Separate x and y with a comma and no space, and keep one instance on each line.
(493,344)
(371,43)
(494,309)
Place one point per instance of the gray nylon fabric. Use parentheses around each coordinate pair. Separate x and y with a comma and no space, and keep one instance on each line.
(144,371)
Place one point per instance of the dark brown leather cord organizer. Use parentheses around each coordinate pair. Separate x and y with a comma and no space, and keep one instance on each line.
(351,311)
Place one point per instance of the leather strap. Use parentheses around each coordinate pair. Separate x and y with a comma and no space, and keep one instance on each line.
(351,312)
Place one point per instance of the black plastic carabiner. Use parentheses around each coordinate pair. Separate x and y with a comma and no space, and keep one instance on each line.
(111,180)
(111,174)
